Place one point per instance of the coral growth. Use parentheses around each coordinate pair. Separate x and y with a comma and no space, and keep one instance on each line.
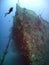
(29,35)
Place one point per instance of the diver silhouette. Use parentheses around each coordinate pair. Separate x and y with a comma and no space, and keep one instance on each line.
(9,11)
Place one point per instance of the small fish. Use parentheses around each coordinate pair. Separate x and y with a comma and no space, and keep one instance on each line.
(10,10)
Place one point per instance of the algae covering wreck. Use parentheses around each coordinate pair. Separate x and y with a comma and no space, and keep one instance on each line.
(30,35)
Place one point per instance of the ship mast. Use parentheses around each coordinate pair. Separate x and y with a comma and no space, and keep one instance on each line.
(17,7)
(18,2)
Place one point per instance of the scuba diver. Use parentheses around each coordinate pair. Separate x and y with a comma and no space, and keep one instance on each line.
(9,11)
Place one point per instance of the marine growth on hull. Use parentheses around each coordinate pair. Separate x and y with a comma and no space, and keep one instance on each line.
(29,33)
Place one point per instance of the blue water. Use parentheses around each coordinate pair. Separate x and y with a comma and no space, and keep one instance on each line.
(7,22)
(5,29)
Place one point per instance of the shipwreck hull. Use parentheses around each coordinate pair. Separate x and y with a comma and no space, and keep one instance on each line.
(28,34)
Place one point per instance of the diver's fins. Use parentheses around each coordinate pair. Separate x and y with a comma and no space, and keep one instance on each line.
(6,14)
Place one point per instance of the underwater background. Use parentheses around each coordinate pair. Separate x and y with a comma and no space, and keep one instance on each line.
(40,7)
